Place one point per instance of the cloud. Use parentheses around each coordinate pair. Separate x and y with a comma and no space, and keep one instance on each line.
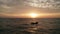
(53,4)
(5,6)
(24,6)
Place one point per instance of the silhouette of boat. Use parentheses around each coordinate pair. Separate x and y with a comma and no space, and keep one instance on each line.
(34,23)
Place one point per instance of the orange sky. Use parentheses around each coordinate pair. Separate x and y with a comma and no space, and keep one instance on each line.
(22,8)
(39,15)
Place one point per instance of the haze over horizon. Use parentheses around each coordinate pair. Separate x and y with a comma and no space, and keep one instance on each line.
(21,8)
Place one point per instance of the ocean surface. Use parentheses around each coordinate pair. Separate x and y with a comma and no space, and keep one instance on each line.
(24,26)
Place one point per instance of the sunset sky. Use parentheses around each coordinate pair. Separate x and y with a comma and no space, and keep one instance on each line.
(22,8)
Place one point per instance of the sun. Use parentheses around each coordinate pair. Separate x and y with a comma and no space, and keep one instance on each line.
(33,15)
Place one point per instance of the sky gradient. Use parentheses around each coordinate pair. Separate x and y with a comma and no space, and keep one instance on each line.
(21,8)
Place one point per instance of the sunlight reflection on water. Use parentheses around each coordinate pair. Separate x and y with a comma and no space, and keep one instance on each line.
(23,26)
(32,29)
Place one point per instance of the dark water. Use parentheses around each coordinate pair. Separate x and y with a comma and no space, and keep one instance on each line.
(24,26)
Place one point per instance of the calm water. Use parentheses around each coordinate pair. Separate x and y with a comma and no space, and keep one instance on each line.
(24,26)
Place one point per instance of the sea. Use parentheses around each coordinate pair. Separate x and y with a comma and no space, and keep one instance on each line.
(29,26)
